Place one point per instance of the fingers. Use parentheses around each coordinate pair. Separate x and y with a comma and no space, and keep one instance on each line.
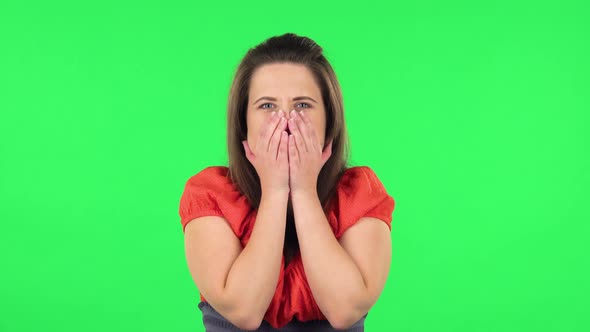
(309,133)
(296,127)
(283,148)
(266,133)
(277,136)
(293,152)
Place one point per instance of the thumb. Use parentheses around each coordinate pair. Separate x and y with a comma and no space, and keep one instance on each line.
(249,154)
(327,152)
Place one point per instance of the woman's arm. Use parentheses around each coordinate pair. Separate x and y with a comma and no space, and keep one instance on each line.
(335,280)
(238,282)
(254,275)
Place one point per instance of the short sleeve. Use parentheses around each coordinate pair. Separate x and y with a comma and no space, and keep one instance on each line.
(360,194)
(211,193)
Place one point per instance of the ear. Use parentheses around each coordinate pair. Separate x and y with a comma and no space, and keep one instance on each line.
(249,155)
(327,152)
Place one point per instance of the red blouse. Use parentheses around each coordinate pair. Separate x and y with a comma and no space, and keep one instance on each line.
(359,194)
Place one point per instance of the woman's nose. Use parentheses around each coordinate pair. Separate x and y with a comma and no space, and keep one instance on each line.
(288,114)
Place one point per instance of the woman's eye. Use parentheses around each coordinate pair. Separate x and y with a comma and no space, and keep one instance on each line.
(298,105)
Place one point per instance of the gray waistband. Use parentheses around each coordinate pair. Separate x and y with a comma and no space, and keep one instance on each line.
(215,322)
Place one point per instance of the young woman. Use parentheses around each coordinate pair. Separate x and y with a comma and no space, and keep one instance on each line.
(269,240)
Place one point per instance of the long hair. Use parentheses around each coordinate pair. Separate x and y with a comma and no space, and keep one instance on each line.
(287,48)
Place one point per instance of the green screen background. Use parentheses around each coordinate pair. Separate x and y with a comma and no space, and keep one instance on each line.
(474,115)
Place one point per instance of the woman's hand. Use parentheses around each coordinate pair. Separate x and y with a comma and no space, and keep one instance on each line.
(269,157)
(306,157)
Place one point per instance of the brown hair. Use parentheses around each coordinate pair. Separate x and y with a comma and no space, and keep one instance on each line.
(289,48)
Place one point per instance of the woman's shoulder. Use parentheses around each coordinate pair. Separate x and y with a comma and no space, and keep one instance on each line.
(211,175)
(360,193)
(210,192)
(356,176)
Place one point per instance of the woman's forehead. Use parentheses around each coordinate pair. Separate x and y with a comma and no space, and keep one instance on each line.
(283,75)
(279,85)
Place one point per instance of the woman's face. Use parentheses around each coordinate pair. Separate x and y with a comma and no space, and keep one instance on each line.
(283,86)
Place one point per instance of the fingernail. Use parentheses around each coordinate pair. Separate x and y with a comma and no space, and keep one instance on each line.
(293,113)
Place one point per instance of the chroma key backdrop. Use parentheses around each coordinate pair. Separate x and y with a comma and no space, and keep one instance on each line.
(474,115)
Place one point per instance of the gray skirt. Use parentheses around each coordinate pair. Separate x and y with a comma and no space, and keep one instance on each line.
(215,322)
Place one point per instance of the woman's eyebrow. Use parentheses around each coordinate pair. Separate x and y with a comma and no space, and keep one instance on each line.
(304,98)
(294,99)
